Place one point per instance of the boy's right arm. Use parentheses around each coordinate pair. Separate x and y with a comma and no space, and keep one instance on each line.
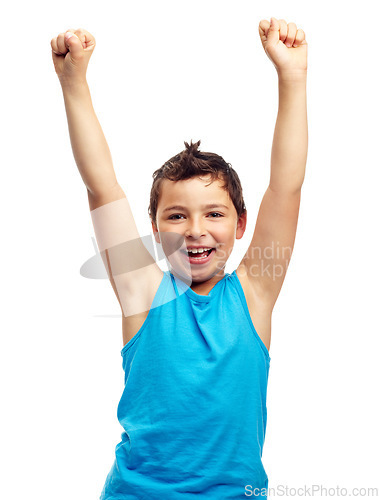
(71,55)
(129,265)
(90,149)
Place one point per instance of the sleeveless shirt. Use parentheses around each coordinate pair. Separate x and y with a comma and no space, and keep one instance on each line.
(193,407)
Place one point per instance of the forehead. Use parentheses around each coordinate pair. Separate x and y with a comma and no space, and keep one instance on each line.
(193,192)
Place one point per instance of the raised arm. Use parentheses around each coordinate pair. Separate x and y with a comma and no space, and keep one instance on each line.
(71,54)
(129,265)
(269,253)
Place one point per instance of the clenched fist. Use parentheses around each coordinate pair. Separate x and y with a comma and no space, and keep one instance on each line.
(71,53)
(285,45)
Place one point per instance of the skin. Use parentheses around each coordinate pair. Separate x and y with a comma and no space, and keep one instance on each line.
(216,227)
(286,47)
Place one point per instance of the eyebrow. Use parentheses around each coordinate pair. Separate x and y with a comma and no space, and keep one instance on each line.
(211,205)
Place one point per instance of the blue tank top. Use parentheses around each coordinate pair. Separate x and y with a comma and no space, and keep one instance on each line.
(193,408)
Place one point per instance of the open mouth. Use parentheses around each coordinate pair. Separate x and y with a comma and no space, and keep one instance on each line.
(197,255)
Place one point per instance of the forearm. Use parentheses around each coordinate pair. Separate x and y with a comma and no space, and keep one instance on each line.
(290,142)
(90,149)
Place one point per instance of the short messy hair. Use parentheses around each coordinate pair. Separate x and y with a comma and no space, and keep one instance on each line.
(191,162)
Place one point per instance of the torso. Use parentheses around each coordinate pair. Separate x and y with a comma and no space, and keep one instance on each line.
(260,312)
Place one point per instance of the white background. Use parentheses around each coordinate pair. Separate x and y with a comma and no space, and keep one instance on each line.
(163,73)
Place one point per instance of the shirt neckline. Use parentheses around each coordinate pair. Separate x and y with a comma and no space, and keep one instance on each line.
(184,288)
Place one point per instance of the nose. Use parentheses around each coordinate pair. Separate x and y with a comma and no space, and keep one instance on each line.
(195,229)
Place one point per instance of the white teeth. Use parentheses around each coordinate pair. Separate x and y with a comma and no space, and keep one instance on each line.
(198,250)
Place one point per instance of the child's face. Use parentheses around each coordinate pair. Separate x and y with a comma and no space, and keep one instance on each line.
(195,225)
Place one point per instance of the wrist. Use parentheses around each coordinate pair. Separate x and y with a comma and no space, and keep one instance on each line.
(70,85)
(292,76)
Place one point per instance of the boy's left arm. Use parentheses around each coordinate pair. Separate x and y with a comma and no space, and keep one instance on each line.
(267,258)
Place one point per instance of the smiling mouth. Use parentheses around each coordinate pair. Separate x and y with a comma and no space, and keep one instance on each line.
(198,256)
(194,254)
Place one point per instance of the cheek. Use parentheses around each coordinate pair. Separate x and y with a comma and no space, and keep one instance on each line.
(226,233)
(226,238)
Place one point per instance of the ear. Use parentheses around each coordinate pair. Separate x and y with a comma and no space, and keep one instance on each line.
(155,232)
(241,225)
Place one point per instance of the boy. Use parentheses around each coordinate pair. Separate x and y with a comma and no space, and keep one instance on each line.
(193,407)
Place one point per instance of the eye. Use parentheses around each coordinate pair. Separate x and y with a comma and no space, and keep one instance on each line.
(174,215)
(215,213)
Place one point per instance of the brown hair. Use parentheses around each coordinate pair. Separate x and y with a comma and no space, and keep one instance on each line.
(191,162)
